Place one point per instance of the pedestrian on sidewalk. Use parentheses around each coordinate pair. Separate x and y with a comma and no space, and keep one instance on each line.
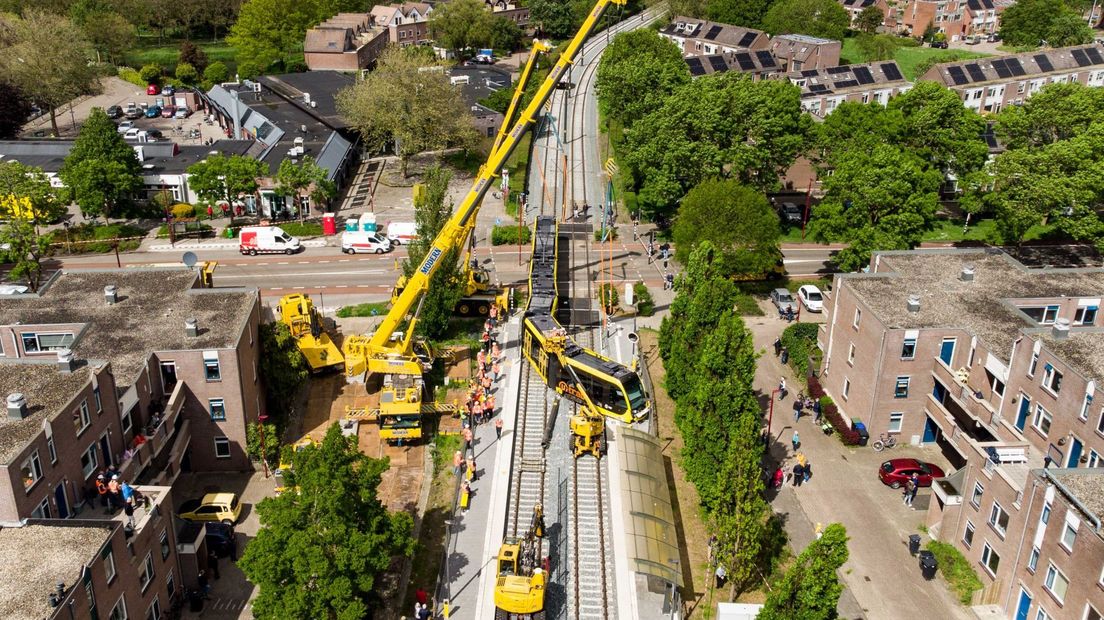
(777,347)
(457,461)
(797,409)
(421,596)
(908,493)
(807,470)
(796,441)
(782,388)
(798,474)
(498,428)
(816,410)
(496,353)
(722,575)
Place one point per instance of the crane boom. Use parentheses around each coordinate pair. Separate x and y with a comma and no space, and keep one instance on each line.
(519,90)
(452,234)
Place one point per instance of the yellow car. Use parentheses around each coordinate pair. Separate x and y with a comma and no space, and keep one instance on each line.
(222,507)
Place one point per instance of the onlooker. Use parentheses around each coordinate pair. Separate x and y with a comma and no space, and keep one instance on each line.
(498,428)
(782,388)
(721,576)
(796,441)
(798,474)
(797,409)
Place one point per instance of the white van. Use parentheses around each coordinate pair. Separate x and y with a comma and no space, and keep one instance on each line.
(254,240)
(364,242)
(402,232)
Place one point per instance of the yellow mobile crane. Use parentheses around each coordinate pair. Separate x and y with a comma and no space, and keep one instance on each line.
(297,311)
(519,588)
(389,352)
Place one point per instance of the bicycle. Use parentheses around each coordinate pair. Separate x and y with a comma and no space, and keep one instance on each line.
(884,441)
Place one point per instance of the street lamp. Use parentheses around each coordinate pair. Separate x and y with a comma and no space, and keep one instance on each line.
(264,453)
(448,574)
(770,414)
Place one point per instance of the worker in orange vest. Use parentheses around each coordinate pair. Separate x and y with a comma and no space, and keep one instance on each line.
(101,488)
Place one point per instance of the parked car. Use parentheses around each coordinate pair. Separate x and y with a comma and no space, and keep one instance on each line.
(811,298)
(125,126)
(896,472)
(220,539)
(153,111)
(114,111)
(401,232)
(792,213)
(255,240)
(782,300)
(154,134)
(221,507)
(153,89)
(939,44)
(995,37)
(133,134)
(364,242)
(167,91)
(168,111)
(973,40)
(182,112)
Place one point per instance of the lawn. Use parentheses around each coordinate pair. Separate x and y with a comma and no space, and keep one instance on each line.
(908,58)
(166,54)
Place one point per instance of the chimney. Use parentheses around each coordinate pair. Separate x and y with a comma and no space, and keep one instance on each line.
(967,274)
(913,303)
(191,327)
(1061,330)
(111,294)
(17,406)
(65,360)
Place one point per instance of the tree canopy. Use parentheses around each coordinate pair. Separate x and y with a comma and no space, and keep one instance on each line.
(25,249)
(722,125)
(219,177)
(304,178)
(1057,112)
(811,588)
(818,18)
(25,193)
(557,19)
(321,549)
(746,13)
(101,170)
(1030,22)
(269,33)
(282,368)
(736,219)
(432,209)
(638,71)
(870,19)
(15,109)
(462,25)
(407,102)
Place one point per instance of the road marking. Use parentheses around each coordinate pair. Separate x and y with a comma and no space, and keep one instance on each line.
(262,264)
(323,261)
(277,288)
(283,263)
(298,288)
(342,286)
(344,260)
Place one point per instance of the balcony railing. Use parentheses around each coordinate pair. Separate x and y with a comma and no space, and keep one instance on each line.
(148,444)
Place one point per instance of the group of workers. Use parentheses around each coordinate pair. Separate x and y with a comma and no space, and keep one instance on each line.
(116,493)
(480,406)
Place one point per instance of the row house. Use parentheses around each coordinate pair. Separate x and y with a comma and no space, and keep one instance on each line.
(855,7)
(994,365)
(508,10)
(822,91)
(957,19)
(799,52)
(992,84)
(698,37)
(758,65)
(353,41)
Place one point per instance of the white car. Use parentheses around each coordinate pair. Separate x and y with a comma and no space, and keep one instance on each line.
(125,126)
(811,298)
(364,242)
(181,112)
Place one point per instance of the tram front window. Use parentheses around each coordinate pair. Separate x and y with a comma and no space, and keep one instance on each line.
(637,400)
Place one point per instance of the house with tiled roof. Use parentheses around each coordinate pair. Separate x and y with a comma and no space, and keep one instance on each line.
(855,7)
(957,19)
(758,64)
(799,52)
(822,91)
(698,37)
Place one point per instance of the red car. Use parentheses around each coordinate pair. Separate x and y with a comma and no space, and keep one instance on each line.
(896,472)
(153,89)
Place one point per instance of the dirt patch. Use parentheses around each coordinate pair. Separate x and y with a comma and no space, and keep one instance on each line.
(692,533)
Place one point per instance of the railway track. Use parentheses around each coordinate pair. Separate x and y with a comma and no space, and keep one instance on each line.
(529,463)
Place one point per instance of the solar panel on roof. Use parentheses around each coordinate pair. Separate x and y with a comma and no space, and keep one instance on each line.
(957,76)
(809,72)
(765,58)
(862,74)
(745,61)
(846,84)
(718,64)
(1081,58)
(1044,62)
(713,32)
(695,65)
(1002,70)
(976,74)
(1094,55)
(835,70)
(818,88)
(891,71)
(748,38)
(1014,66)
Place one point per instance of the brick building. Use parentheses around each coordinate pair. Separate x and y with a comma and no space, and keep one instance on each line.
(697,37)
(823,90)
(992,84)
(957,19)
(353,41)
(995,365)
(854,7)
(799,52)
(758,65)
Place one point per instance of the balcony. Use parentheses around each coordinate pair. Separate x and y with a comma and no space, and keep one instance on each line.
(164,429)
(151,510)
(967,399)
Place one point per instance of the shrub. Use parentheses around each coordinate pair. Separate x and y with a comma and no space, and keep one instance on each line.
(183,210)
(510,235)
(304,229)
(608,297)
(366,309)
(956,569)
(800,340)
(186,73)
(132,76)
(645,304)
(848,435)
(598,233)
(151,74)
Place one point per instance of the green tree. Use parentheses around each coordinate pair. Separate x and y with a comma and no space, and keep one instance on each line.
(101,170)
(461,25)
(186,73)
(1030,22)
(505,34)
(557,19)
(20,183)
(271,443)
(270,33)
(110,34)
(321,549)
(26,250)
(432,209)
(853,126)
(1057,112)
(639,70)
(939,129)
(818,18)
(225,178)
(690,8)
(747,13)
(716,126)
(301,179)
(811,588)
(48,59)
(404,105)
(878,46)
(151,73)
(1069,28)
(736,219)
(282,367)
(191,54)
(216,72)
(870,19)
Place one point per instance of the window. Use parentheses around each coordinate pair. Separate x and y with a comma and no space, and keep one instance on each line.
(858,317)
(154,612)
(998,518)
(1033,560)
(1042,614)
(119,612)
(1069,532)
(211,366)
(164,545)
(52,449)
(145,573)
(902,389)
(39,343)
(1091,613)
(99,401)
(1034,364)
(217,407)
(81,418)
(1044,516)
(851,354)
(170,585)
(1085,316)
(1056,583)
(1042,315)
(975,499)
(31,471)
(1094,459)
(1042,419)
(89,462)
(989,559)
(222,447)
(968,535)
(91,594)
(908,350)
(43,510)
(846,388)
(127,422)
(1085,404)
(896,419)
(1052,379)
(109,566)
(998,387)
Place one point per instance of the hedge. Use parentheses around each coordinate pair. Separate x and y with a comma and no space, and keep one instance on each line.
(508,235)
(645,304)
(848,435)
(956,569)
(800,340)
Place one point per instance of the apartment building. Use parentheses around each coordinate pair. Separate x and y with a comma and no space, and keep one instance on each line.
(957,19)
(698,37)
(509,10)
(799,52)
(855,7)
(353,41)
(994,364)
(758,65)
(992,84)
(823,90)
